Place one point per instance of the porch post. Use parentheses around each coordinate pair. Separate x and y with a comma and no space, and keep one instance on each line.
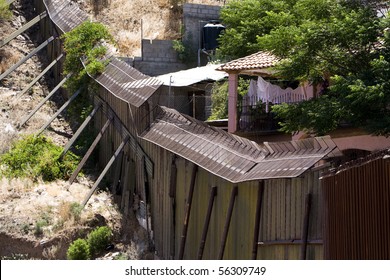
(232,107)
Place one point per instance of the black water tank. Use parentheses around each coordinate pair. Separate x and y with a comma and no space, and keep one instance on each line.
(211,33)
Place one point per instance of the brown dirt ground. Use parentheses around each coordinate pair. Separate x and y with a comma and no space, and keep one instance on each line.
(131,21)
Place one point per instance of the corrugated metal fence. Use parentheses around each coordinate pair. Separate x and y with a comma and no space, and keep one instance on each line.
(357,210)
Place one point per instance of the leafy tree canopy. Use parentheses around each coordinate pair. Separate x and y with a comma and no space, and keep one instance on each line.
(342,43)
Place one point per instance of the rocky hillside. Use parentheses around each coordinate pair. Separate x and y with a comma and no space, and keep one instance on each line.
(133,20)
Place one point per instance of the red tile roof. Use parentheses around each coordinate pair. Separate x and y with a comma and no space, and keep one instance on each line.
(259,60)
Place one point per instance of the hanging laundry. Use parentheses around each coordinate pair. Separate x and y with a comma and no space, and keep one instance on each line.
(271,93)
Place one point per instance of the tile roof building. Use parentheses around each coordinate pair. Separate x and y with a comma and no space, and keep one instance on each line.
(254,64)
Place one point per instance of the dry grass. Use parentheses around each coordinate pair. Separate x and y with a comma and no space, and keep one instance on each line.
(51,252)
(130,21)
(45,209)
(8,57)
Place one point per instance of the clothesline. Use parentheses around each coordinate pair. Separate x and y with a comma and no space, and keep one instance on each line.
(270,93)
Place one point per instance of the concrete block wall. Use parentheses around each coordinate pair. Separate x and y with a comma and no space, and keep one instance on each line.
(159,57)
(158,51)
(195,17)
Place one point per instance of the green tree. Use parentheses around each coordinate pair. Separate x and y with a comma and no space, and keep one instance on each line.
(219,98)
(341,44)
(245,20)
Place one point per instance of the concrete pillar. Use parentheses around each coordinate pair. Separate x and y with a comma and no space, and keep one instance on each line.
(232,108)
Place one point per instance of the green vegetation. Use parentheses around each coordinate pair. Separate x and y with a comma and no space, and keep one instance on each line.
(343,47)
(86,44)
(39,225)
(78,250)
(96,241)
(75,210)
(219,98)
(187,53)
(36,156)
(121,257)
(5,12)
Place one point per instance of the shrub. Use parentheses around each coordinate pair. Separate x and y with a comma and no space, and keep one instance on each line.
(98,239)
(38,229)
(35,156)
(186,52)
(82,43)
(89,41)
(5,13)
(75,210)
(78,250)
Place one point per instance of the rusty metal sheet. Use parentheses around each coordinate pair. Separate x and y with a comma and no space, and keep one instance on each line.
(65,14)
(231,157)
(356,199)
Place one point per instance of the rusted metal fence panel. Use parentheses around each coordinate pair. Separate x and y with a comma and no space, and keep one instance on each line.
(356,201)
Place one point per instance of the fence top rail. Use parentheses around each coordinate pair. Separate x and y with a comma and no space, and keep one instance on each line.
(383,154)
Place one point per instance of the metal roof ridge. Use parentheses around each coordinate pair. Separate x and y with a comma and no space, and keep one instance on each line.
(220,131)
(126,86)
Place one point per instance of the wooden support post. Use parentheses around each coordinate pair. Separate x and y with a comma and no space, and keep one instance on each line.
(187,213)
(43,101)
(305,227)
(110,162)
(63,107)
(36,79)
(117,173)
(80,129)
(173,180)
(89,152)
(213,193)
(193,105)
(227,223)
(23,28)
(172,195)
(260,193)
(24,59)
(128,186)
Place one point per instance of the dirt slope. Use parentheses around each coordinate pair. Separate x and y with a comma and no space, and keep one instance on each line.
(133,20)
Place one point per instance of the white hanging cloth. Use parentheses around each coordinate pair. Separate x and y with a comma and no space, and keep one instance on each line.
(268,92)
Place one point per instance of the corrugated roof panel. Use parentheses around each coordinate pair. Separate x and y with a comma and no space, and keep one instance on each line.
(232,157)
(128,71)
(65,14)
(127,83)
(284,168)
